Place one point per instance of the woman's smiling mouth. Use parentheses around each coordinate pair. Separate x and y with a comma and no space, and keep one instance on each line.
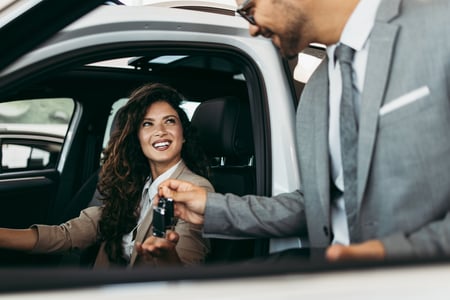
(161,145)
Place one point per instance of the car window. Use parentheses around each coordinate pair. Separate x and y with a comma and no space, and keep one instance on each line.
(32,132)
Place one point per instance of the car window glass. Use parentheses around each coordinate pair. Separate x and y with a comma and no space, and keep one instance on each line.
(32,132)
(22,157)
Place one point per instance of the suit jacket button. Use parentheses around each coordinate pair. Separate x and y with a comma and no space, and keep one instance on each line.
(326,231)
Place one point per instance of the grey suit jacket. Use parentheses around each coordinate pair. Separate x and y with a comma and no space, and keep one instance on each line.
(403,146)
(82,232)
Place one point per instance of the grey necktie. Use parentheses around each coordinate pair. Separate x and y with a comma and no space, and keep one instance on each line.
(349,134)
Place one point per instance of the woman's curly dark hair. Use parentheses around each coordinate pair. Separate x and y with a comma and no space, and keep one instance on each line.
(125,167)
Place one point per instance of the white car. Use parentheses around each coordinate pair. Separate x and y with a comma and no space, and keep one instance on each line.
(99,59)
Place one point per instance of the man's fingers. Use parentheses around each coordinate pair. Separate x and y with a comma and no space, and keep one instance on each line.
(190,199)
(176,185)
(165,191)
(194,199)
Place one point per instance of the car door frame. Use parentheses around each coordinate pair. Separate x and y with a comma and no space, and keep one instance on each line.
(39,23)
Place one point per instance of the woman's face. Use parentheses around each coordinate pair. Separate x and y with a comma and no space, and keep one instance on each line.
(161,137)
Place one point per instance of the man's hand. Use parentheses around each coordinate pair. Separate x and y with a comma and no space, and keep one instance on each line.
(372,250)
(161,248)
(190,200)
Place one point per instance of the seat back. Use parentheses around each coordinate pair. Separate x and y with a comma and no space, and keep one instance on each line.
(225,131)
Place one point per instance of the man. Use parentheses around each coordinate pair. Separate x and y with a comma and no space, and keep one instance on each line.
(399,180)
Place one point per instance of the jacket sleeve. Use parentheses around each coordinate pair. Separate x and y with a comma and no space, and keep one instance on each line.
(432,240)
(77,233)
(228,216)
(192,247)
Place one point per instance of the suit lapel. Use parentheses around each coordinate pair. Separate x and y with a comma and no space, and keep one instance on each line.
(382,43)
(321,121)
(142,233)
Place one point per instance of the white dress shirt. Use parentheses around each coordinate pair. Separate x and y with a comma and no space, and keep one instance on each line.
(356,34)
(148,193)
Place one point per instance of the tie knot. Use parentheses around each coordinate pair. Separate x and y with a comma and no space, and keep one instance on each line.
(344,53)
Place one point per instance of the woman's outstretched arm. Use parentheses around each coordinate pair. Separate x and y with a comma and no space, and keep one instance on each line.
(18,239)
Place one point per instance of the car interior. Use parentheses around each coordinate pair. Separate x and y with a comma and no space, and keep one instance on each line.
(223,97)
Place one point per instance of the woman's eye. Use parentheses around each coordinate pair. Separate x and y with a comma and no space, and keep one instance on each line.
(146,124)
(171,121)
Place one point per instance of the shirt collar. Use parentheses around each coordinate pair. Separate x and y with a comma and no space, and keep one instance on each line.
(149,182)
(359,26)
(166,174)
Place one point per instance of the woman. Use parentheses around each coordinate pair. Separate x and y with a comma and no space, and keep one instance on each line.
(152,141)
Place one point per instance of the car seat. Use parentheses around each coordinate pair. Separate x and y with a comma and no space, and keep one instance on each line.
(224,128)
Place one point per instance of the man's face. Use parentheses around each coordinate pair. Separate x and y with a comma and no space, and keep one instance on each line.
(283,21)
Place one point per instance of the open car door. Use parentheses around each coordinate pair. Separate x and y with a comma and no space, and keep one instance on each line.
(27,23)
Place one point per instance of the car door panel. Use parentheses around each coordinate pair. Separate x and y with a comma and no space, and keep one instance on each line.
(27,198)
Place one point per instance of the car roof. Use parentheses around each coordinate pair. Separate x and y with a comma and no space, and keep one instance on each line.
(227,7)
(106,18)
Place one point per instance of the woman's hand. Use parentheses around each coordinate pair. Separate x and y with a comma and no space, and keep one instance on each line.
(163,249)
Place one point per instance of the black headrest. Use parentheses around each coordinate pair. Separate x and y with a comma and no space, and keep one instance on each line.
(115,122)
(224,127)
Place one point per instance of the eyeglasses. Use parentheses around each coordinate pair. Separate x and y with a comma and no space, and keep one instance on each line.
(245,11)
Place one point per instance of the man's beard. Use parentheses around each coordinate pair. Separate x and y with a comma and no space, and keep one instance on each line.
(290,42)
(289,47)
